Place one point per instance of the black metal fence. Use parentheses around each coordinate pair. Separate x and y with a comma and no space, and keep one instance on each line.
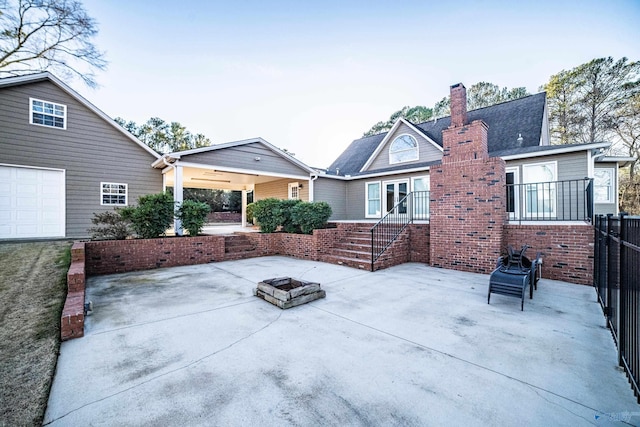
(570,200)
(617,281)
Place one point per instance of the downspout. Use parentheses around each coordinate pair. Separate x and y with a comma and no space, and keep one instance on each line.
(177,224)
(312,177)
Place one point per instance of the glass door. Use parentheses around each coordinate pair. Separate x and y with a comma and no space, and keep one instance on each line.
(394,192)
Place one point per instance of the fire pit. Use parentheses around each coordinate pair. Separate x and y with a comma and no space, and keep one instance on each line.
(286,292)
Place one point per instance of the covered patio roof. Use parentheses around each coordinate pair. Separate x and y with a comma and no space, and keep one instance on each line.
(238,165)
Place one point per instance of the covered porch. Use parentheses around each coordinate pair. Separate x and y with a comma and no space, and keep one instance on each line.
(250,166)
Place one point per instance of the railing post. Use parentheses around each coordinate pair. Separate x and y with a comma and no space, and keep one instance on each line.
(608,263)
(372,251)
(621,312)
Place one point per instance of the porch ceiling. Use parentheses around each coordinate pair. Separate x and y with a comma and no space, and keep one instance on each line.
(194,177)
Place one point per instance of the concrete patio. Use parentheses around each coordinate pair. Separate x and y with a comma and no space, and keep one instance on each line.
(410,345)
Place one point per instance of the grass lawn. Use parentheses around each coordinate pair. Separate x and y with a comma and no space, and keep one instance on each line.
(32,292)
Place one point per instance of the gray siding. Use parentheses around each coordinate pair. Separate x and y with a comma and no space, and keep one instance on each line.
(356,193)
(90,150)
(244,157)
(570,196)
(426,151)
(570,166)
(334,192)
(280,189)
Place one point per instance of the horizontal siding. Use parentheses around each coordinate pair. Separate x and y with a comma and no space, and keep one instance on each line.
(333,192)
(426,151)
(570,166)
(356,193)
(244,157)
(279,189)
(90,150)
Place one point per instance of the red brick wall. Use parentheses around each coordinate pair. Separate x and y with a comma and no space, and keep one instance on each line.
(72,318)
(119,256)
(467,214)
(419,239)
(567,250)
(224,217)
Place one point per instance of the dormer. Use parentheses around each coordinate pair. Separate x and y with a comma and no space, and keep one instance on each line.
(404,144)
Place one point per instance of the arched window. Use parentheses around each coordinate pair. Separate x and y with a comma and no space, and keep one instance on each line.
(403,149)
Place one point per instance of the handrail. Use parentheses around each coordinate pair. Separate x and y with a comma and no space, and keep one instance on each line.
(568,200)
(386,231)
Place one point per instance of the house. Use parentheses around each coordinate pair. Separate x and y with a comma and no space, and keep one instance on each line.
(478,179)
(460,187)
(62,160)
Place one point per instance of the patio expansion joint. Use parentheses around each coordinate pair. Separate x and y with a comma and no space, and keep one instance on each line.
(535,388)
(164,374)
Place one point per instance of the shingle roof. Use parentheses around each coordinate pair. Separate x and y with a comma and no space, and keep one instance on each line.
(506,122)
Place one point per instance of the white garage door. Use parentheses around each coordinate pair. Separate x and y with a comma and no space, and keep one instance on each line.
(32,203)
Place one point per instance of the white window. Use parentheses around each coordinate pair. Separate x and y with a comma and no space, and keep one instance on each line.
(294,191)
(112,194)
(46,113)
(403,149)
(513,192)
(420,187)
(373,200)
(540,191)
(603,185)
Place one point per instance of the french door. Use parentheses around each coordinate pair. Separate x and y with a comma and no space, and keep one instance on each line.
(393,193)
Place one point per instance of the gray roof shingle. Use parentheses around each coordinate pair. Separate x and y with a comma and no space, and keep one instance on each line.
(506,121)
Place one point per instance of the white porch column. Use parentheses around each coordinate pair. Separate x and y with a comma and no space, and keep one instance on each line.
(177,197)
(244,208)
(311,189)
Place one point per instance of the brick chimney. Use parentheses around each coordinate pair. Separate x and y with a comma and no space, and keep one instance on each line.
(463,140)
(468,202)
(458,105)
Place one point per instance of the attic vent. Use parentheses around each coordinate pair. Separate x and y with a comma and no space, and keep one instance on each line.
(520,140)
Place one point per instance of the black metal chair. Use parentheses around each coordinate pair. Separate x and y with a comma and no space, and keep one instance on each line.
(513,274)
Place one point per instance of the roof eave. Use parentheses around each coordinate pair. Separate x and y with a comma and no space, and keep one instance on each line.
(30,78)
(559,150)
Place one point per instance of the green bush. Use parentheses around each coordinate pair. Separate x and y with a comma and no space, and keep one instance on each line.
(153,215)
(193,216)
(110,225)
(267,213)
(285,210)
(250,213)
(310,215)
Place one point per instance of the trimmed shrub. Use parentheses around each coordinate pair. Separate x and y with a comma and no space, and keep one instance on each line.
(250,213)
(153,215)
(267,213)
(193,216)
(110,225)
(285,210)
(310,215)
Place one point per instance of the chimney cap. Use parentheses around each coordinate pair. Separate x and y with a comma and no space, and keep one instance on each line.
(456,85)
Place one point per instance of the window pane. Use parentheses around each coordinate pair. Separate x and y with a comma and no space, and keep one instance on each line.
(373,192)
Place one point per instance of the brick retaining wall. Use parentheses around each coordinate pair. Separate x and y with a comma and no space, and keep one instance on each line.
(567,249)
(72,318)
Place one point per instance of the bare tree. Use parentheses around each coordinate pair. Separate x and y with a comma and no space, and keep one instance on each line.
(55,35)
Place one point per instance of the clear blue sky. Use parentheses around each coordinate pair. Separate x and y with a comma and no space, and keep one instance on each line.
(312,76)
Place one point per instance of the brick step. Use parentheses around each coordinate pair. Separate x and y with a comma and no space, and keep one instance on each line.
(351,247)
(351,253)
(239,248)
(361,264)
(236,244)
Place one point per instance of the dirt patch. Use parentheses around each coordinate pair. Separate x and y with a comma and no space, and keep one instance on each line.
(32,292)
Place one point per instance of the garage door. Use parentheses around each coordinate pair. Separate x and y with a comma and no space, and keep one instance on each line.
(32,203)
